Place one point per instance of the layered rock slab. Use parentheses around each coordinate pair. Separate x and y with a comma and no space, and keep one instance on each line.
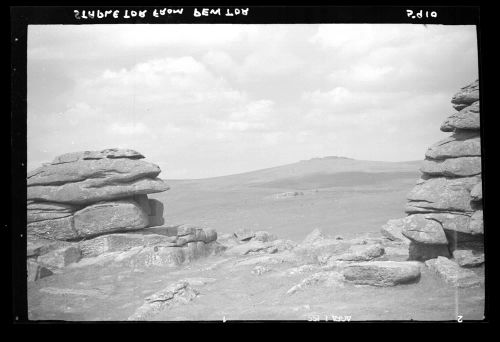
(442,194)
(85,192)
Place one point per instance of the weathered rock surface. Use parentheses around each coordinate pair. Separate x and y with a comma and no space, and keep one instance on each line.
(361,253)
(466,119)
(36,271)
(393,231)
(453,274)
(476,223)
(468,94)
(84,192)
(313,236)
(452,221)
(97,173)
(264,236)
(454,167)
(180,292)
(109,217)
(59,258)
(477,192)
(244,234)
(36,246)
(123,242)
(420,229)
(467,258)
(442,194)
(59,229)
(328,278)
(48,211)
(382,273)
(255,246)
(460,144)
(112,153)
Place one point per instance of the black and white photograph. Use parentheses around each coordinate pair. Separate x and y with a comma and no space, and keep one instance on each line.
(319,171)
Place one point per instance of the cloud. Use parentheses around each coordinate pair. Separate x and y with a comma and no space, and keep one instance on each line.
(207,100)
(129,128)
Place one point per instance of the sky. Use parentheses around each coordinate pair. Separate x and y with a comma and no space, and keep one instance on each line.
(209,100)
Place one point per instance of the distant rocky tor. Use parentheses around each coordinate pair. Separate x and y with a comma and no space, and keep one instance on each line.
(445,212)
(93,203)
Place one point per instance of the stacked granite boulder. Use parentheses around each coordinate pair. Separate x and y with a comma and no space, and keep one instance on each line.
(445,216)
(80,201)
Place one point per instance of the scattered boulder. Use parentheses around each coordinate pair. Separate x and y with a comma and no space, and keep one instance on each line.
(453,274)
(289,194)
(382,273)
(467,258)
(259,270)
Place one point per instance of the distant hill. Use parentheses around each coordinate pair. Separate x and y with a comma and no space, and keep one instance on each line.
(314,173)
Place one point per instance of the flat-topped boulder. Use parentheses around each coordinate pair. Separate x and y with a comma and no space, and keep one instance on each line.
(112,153)
(382,273)
(98,172)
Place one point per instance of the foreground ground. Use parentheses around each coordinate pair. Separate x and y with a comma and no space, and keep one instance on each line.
(230,290)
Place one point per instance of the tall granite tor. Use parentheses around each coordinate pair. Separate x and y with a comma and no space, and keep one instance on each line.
(84,194)
(445,215)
